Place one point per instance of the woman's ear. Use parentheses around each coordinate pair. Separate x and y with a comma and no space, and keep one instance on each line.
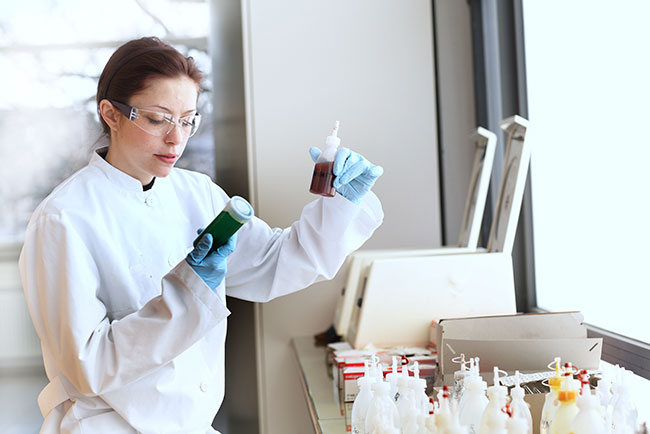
(109,113)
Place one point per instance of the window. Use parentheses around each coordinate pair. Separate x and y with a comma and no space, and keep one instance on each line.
(50,61)
(587,96)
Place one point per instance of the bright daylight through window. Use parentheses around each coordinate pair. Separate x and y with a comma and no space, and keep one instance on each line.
(587,88)
(49,65)
(588,99)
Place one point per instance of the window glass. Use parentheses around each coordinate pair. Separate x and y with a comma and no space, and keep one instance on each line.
(51,56)
(588,96)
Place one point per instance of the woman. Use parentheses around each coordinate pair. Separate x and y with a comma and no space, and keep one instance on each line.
(132,326)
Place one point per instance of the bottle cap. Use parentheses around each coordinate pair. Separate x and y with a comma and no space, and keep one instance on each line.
(567,395)
(555,382)
(333,139)
(517,391)
(239,209)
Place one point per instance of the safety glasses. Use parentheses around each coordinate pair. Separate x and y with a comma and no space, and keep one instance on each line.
(157,123)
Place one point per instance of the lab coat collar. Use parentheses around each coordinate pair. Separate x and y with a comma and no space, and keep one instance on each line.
(116,176)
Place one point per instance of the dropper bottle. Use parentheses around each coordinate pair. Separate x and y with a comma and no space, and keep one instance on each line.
(493,418)
(454,426)
(382,413)
(588,419)
(518,406)
(406,399)
(322,181)
(430,423)
(444,416)
(392,377)
(362,401)
(551,402)
(515,424)
(624,412)
(474,400)
(568,409)
(419,386)
(459,379)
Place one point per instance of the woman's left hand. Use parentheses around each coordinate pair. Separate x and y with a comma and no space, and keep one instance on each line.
(354,175)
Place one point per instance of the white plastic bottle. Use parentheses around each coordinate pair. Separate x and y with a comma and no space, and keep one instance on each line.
(604,394)
(362,402)
(392,378)
(444,416)
(454,426)
(385,430)
(382,413)
(419,387)
(519,407)
(474,401)
(430,422)
(624,412)
(568,409)
(323,177)
(459,379)
(409,423)
(588,420)
(404,394)
(493,418)
(551,402)
(516,425)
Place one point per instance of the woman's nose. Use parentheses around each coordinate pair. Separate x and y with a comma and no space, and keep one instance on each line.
(175,136)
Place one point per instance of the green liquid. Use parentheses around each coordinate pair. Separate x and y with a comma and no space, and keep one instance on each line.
(222,228)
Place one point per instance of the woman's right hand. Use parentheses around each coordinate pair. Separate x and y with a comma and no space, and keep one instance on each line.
(211,267)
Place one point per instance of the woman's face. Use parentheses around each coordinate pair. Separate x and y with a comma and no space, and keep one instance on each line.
(140,154)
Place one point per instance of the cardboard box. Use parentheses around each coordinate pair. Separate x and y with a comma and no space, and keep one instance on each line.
(536,402)
(524,342)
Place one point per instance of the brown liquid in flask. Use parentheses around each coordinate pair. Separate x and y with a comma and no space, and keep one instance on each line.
(323,180)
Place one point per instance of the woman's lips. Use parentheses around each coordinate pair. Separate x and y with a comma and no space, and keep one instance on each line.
(167,158)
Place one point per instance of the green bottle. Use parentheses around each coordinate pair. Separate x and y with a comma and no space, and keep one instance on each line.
(236,212)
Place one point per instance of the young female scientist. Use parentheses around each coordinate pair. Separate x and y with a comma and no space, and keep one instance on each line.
(132,327)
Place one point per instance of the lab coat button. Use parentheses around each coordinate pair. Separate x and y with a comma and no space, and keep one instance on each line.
(170,261)
(203,386)
(149,201)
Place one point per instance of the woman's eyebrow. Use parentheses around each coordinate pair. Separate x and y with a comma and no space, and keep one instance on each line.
(168,110)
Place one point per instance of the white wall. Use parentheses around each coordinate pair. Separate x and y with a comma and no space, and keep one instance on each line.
(368,64)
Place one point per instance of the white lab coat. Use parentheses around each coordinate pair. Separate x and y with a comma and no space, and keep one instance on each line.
(132,339)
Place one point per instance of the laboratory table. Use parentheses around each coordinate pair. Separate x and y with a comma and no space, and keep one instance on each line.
(318,387)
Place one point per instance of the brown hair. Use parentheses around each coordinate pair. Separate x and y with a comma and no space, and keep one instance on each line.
(134,63)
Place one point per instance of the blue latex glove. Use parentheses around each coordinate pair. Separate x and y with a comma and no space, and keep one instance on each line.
(354,175)
(210,268)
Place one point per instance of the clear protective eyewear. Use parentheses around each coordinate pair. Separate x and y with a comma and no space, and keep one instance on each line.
(157,123)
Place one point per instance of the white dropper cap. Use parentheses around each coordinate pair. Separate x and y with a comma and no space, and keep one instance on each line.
(417,384)
(517,392)
(333,139)
(393,374)
(462,371)
(497,389)
(332,143)
(367,379)
(474,381)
